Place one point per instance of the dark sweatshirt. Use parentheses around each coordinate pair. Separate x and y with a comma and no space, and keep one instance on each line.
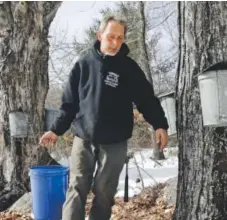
(98,97)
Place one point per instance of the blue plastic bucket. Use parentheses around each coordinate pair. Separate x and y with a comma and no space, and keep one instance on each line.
(48,189)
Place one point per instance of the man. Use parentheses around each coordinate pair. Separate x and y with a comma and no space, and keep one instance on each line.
(97,101)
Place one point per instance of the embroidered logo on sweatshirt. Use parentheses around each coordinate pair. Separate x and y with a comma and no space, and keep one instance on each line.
(112,79)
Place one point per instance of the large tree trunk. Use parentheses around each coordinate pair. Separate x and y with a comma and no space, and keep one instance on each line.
(23,86)
(202,180)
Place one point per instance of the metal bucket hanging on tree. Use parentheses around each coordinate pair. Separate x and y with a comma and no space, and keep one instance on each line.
(213,95)
(50,116)
(168,104)
(19,124)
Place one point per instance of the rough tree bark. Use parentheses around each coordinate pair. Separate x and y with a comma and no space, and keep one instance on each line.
(144,60)
(202,180)
(23,86)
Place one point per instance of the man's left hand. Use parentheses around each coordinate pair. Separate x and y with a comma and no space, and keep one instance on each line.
(161,137)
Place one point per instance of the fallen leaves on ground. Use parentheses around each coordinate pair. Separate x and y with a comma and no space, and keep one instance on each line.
(142,211)
(145,206)
(13,216)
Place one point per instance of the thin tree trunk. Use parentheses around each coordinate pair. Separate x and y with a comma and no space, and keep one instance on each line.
(202,180)
(143,53)
(23,87)
(144,59)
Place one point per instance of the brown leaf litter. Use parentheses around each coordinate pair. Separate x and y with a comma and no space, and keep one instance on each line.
(145,206)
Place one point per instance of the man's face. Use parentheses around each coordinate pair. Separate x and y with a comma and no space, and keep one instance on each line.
(111,38)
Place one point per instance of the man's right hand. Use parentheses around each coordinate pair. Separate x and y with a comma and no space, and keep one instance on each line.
(49,138)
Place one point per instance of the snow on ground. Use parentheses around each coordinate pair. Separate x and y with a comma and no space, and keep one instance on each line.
(152,172)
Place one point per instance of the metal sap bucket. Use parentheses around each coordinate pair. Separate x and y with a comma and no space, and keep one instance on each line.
(19,124)
(50,116)
(168,104)
(213,95)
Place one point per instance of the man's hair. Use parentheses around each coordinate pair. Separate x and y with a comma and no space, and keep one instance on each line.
(117,18)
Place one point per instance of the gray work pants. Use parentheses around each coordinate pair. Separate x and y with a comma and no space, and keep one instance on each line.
(110,160)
